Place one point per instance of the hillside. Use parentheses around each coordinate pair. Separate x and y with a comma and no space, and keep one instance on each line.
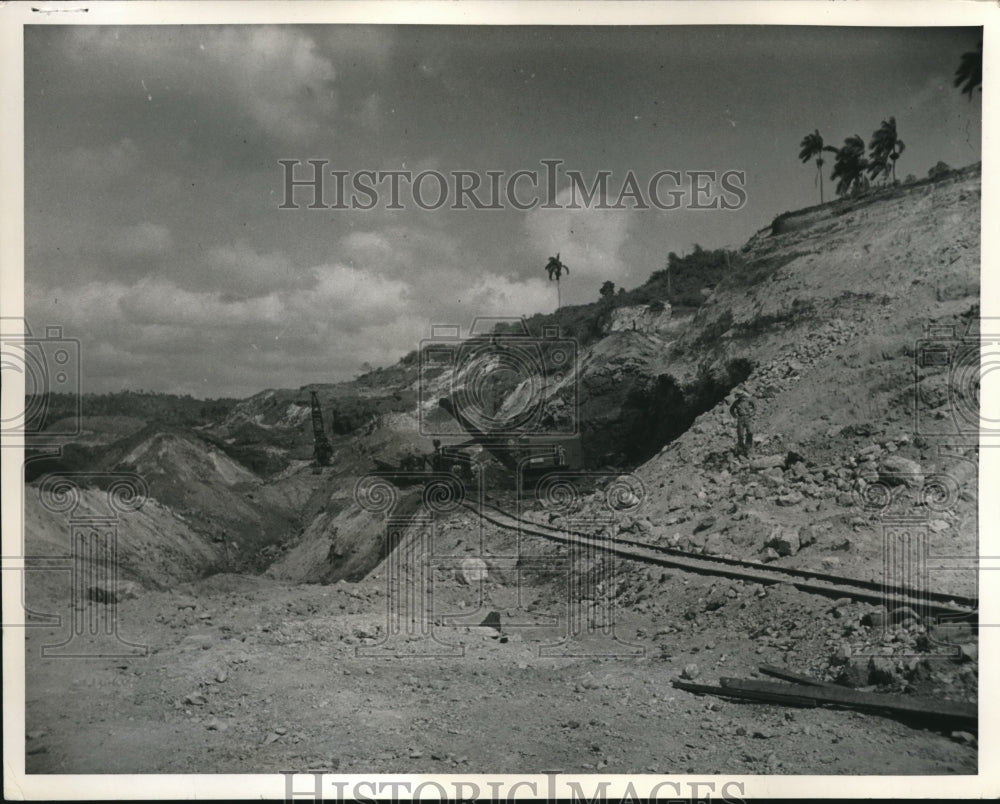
(831,316)
(825,318)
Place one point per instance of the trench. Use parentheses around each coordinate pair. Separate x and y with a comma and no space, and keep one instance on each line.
(658,411)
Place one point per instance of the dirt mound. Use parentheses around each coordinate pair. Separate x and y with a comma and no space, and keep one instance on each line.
(180,456)
(214,494)
(154,546)
(345,544)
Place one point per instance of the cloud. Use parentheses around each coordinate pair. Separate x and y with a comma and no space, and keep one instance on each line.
(88,166)
(156,335)
(399,250)
(495,295)
(158,301)
(139,240)
(359,47)
(82,247)
(240,271)
(340,297)
(371,114)
(368,246)
(292,325)
(348,298)
(275,75)
(588,240)
(452,285)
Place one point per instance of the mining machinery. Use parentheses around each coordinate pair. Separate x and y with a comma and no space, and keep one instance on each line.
(323,450)
(531,455)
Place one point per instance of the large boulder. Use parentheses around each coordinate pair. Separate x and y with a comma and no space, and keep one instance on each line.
(790,499)
(854,673)
(114,591)
(473,570)
(767,461)
(881,670)
(896,470)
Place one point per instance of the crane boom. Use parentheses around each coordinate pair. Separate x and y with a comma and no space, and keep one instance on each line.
(323,450)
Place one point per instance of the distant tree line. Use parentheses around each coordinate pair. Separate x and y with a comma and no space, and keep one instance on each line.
(145,405)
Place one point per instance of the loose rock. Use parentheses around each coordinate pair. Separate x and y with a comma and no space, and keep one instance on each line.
(897,470)
(114,592)
(785,541)
(767,461)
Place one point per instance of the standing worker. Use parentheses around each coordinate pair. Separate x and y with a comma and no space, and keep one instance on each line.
(436,458)
(743,409)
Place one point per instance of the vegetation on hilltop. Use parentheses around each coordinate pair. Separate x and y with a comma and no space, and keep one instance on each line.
(681,283)
(150,406)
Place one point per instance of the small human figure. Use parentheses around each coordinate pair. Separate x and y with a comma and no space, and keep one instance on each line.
(436,459)
(743,409)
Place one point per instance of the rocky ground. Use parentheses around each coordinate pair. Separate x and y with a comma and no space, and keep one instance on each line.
(249,675)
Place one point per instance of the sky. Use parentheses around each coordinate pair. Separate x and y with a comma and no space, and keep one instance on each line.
(154,228)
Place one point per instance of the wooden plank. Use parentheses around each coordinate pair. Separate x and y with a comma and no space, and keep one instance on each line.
(906,704)
(787,699)
(798,678)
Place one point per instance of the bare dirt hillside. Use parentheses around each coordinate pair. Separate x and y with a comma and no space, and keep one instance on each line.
(833,316)
(199,481)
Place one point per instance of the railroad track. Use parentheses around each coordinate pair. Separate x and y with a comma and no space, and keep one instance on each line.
(820,583)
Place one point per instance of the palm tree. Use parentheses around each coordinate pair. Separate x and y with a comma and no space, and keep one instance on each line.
(850,165)
(970,71)
(885,146)
(555,267)
(812,145)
